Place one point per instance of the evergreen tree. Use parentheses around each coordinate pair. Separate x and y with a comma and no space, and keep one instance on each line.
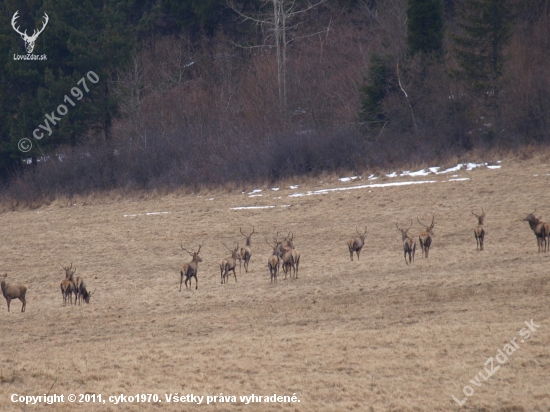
(374,91)
(486,29)
(425,26)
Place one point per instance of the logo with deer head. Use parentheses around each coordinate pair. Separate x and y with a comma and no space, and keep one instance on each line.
(29,40)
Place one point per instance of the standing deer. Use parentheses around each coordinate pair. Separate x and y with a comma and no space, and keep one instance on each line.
(246,251)
(189,270)
(68,286)
(228,264)
(538,228)
(425,237)
(409,245)
(285,254)
(13,292)
(356,244)
(479,232)
(295,254)
(274,261)
(67,290)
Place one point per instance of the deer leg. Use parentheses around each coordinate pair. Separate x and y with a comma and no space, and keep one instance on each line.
(181,279)
(196,282)
(9,301)
(24,304)
(358,253)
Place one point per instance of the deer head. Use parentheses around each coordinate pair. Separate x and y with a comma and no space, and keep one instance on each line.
(404,231)
(480,217)
(429,229)
(194,255)
(247,237)
(29,40)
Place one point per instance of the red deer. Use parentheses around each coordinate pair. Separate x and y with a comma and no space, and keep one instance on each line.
(189,270)
(81,292)
(356,244)
(274,261)
(409,245)
(228,264)
(479,232)
(295,254)
(13,292)
(425,237)
(285,253)
(246,251)
(68,286)
(538,228)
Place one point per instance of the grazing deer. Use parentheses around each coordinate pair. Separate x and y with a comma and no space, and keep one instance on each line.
(246,252)
(13,292)
(228,264)
(274,261)
(81,292)
(409,245)
(356,244)
(189,270)
(425,237)
(479,232)
(295,254)
(538,228)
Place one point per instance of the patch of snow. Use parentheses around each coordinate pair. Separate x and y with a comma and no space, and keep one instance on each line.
(454,176)
(393,174)
(347,179)
(211,198)
(471,166)
(459,179)
(325,191)
(251,207)
(294,187)
(434,169)
(422,172)
(373,177)
(535,175)
(255,196)
(275,188)
(255,191)
(156,213)
(494,167)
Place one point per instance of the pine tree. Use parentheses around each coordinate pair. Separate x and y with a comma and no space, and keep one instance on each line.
(486,30)
(425,27)
(377,85)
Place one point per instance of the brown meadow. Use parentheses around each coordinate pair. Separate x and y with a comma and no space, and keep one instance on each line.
(368,335)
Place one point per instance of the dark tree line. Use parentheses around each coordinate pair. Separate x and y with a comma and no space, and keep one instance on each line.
(396,81)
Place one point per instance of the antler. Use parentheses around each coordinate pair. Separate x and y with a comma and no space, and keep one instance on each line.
(191,253)
(268,243)
(251,233)
(227,247)
(421,224)
(398,228)
(357,230)
(199,249)
(15,16)
(35,33)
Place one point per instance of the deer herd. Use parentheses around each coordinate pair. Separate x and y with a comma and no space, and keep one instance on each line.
(284,255)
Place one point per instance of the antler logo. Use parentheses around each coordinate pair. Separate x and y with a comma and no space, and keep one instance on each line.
(29,40)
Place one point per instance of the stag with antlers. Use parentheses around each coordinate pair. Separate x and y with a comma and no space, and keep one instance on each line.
(229,263)
(68,286)
(29,40)
(294,252)
(479,232)
(274,261)
(286,255)
(425,237)
(538,229)
(246,251)
(356,244)
(189,270)
(409,245)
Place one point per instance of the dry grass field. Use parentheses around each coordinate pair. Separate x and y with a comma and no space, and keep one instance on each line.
(368,335)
